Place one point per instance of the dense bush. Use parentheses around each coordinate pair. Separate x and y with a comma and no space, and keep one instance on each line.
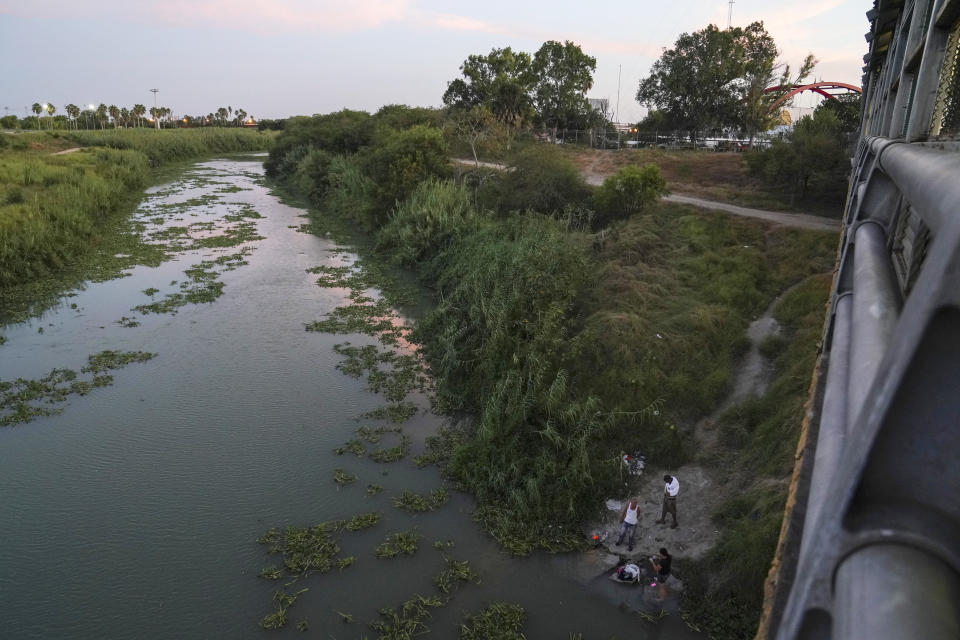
(402,159)
(627,192)
(311,175)
(426,222)
(813,163)
(539,178)
(342,132)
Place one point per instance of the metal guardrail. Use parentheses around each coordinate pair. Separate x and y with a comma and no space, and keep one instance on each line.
(872,547)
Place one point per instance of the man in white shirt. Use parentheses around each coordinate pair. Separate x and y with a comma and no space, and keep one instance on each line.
(670,490)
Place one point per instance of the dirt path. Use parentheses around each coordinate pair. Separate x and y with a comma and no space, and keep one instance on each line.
(797,220)
(72,150)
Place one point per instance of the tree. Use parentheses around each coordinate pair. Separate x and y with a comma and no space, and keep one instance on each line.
(702,82)
(847,110)
(222,115)
(812,162)
(37,109)
(102,115)
(125,116)
(114,114)
(73,111)
(501,81)
(564,73)
(757,113)
(472,126)
(50,109)
(138,111)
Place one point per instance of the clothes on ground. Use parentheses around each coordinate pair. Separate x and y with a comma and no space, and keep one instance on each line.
(628,572)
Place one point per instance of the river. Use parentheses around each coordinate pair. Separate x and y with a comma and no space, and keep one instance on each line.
(135,512)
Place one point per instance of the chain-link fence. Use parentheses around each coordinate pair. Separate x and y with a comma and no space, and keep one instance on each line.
(636,139)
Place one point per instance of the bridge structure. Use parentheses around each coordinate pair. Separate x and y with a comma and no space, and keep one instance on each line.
(870,545)
(826,89)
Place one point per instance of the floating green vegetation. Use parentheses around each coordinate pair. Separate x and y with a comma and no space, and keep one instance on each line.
(373,435)
(152,291)
(284,600)
(404,375)
(202,285)
(106,360)
(374,489)
(342,477)
(232,189)
(3,339)
(397,412)
(392,454)
(440,446)
(401,542)
(353,446)
(416,503)
(347,618)
(374,319)
(23,400)
(303,626)
(343,563)
(500,620)
(457,572)
(303,549)
(362,521)
(408,620)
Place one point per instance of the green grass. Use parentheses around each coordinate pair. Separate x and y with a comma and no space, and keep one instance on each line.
(57,209)
(725,588)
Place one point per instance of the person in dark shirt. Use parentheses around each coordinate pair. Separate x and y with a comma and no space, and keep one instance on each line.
(661,564)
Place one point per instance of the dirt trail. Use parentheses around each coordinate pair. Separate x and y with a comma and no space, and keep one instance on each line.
(797,220)
(72,150)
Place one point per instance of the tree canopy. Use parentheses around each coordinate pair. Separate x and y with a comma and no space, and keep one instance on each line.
(518,88)
(703,82)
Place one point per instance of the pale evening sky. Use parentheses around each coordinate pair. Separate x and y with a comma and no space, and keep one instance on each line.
(277,58)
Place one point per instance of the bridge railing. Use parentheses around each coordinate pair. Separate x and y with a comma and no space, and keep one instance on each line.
(872,547)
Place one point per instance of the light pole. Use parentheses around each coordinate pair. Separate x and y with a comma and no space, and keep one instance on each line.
(156,118)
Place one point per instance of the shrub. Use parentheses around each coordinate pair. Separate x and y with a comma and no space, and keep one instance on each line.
(312,174)
(627,192)
(341,132)
(9,122)
(403,159)
(350,192)
(540,179)
(425,223)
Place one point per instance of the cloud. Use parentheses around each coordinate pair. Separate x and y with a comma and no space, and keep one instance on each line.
(261,16)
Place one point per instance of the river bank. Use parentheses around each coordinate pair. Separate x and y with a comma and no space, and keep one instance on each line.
(136,511)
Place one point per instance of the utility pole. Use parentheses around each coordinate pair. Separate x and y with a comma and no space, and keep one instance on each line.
(616,114)
(156,116)
(730,15)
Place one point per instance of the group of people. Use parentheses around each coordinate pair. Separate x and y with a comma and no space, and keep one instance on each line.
(630,514)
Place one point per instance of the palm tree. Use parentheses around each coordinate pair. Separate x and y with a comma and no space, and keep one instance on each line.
(125,116)
(102,115)
(114,114)
(241,114)
(50,109)
(73,111)
(138,111)
(222,115)
(37,109)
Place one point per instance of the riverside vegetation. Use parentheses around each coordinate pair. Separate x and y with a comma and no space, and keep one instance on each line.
(63,218)
(573,328)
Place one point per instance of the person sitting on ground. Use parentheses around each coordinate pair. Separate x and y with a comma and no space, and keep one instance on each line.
(661,564)
(629,516)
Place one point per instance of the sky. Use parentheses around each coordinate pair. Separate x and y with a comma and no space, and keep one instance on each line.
(277,58)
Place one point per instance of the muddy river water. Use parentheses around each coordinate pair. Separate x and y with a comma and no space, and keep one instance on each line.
(135,512)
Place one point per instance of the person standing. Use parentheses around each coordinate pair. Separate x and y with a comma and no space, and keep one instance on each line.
(670,490)
(629,516)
